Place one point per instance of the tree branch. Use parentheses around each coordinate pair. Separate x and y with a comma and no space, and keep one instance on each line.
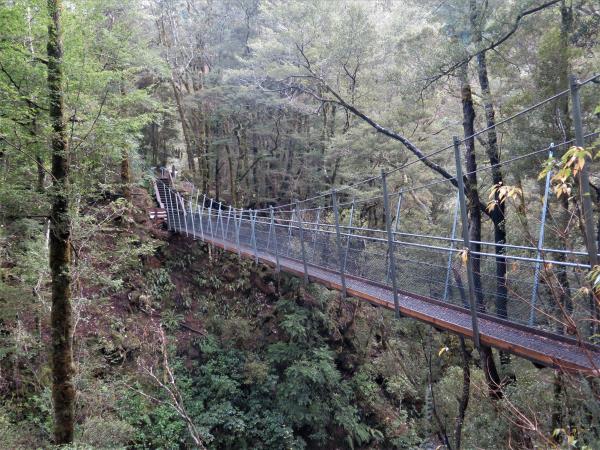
(30,103)
(338,99)
(450,70)
(396,136)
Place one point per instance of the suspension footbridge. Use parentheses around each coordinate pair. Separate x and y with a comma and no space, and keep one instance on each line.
(536,307)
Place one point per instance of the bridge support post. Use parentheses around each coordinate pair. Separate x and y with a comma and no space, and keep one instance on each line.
(176,196)
(390,242)
(220,220)
(172,208)
(202,216)
(398,207)
(466,240)
(289,247)
(584,180)
(253,237)
(450,252)
(183,213)
(540,245)
(339,241)
(301,232)
(388,273)
(169,220)
(314,250)
(270,229)
(175,209)
(223,223)
(191,212)
(228,219)
(212,235)
(273,227)
(349,232)
(191,208)
(217,219)
(238,224)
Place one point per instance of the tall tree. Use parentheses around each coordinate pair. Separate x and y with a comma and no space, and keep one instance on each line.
(487,356)
(63,391)
(498,212)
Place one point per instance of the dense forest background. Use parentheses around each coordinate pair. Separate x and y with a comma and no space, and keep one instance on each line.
(260,102)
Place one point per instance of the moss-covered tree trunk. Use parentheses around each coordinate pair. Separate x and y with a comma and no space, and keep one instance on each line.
(63,392)
(473,203)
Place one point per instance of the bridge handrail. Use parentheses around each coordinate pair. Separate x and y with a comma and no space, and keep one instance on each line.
(433,247)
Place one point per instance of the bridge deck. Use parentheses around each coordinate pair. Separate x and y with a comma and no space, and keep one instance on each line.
(545,348)
(537,345)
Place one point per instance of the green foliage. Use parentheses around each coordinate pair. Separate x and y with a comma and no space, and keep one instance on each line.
(159,284)
(155,425)
(106,432)
(567,169)
(171,320)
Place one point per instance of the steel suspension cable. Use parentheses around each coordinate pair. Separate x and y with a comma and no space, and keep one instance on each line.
(327,193)
(441,150)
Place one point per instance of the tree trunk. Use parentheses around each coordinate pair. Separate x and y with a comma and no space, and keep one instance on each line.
(205,155)
(232,172)
(566,14)
(41,174)
(125,174)
(232,183)
(125,169)
(487,357)
(563,216)
(498,214)
(255,180)
(184,127)
(472,192)
(464,399)
(558,404)
(63,391)
(217,172)
(243,142)
(197,132)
